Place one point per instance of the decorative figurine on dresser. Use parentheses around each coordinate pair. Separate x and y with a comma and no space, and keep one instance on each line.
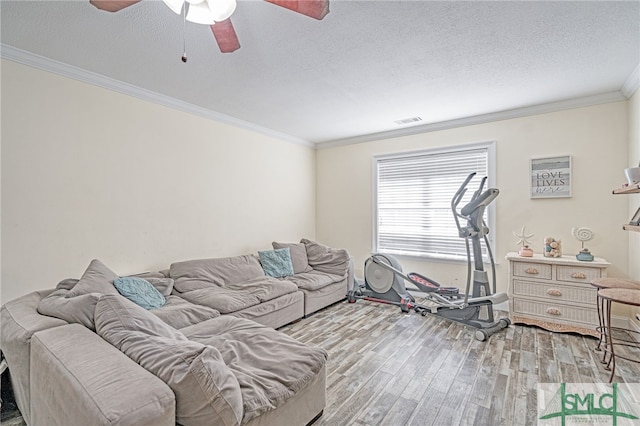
(555,292)
(582,235)
(524,241)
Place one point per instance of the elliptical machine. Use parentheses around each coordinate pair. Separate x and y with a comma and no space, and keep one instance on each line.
(384,280)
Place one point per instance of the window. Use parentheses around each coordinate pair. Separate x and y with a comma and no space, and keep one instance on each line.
(412,199)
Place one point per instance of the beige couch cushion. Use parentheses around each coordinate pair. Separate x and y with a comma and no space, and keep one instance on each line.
(235,297)
(298,254)
(79,309)
(97,278)
(314,280)
(270,366)
(204,273)
(179,313)
(206,390)
(163,285)
(326,259)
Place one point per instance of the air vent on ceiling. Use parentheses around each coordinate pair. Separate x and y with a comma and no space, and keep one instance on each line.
(408,120)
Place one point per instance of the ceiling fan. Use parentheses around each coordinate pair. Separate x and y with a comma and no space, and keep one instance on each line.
(216,13)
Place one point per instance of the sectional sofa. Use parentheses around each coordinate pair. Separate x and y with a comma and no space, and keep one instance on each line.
(95,350)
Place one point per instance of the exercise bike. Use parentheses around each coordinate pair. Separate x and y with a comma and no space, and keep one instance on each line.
(384,281)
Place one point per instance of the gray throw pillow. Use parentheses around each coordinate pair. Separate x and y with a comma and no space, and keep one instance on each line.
(97,278)
(163,285)
(206,390)
(67,284)
(298,253)
(79,309)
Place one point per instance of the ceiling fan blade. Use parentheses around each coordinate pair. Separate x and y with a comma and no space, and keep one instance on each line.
(112,5)
(225,36)
(317,9)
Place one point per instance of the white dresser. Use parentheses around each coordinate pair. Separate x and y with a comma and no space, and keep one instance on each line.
(554,293)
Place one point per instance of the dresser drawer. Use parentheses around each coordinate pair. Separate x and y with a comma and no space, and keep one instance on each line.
(555,312)
(532,270)
(555,292)
(577,274)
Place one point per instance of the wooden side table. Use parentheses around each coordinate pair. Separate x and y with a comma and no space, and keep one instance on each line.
(625,296)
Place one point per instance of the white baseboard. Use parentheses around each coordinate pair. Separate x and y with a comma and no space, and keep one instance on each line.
(504,306)
(631,325)
(622,322)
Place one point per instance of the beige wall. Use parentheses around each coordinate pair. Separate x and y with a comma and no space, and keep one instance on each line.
(595,137)
(90,173)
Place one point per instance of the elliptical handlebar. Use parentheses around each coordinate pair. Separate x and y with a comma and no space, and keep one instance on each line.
(457,197)
(473,211)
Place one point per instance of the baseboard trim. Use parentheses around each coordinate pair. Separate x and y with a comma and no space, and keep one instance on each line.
(631,325)
(620,322)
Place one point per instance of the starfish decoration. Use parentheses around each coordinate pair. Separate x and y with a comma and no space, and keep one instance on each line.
(523,237)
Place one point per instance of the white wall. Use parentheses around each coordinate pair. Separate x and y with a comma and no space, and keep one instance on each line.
(90,173)
(596,138)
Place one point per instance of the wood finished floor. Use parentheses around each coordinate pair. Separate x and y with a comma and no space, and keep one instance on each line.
(390,368)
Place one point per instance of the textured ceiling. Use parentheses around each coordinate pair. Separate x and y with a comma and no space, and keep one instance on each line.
(366,65)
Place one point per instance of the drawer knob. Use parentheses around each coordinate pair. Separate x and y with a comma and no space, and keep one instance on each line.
(554,292)
(532,271)
(554,311)
(578,275)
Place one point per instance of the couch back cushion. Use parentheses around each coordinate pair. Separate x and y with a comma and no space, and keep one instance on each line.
(326,259)
(298,253)
(97,278)
(203,273)
(206,390)
(163,285)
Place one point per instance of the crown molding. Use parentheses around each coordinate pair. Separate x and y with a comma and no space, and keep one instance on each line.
(631,85)
(479,119)
(40,62)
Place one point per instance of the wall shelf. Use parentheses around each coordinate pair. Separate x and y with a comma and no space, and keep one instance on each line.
(634,228)
(631,189)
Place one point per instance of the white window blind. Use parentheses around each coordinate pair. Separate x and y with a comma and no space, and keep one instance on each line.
(413,195)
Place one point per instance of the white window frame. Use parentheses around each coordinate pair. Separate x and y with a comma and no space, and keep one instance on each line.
(490,147)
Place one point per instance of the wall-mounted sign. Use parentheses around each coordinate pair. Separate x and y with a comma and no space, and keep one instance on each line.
(551,177)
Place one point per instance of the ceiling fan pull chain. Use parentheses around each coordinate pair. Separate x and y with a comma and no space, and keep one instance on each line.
(184,33)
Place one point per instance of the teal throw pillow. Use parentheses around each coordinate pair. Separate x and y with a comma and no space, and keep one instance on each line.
(140,291)
(276,263)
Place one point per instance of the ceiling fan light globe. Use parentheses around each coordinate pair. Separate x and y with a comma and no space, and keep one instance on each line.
(174,5)
(222,9)
(194,1)
(200,13)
